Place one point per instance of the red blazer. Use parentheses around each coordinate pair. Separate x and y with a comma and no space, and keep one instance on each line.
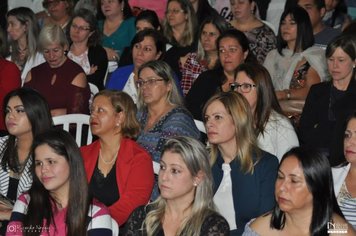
(9,79)
(134,176)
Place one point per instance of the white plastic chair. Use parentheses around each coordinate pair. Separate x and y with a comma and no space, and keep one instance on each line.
(200,125)
(79,120)
(114,227)
(93,90)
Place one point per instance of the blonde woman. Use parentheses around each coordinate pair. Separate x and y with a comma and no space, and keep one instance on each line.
(185,206)
(244,175)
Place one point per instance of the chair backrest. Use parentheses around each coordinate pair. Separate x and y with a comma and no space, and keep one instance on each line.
(200,125)
(79,120)
(93,90)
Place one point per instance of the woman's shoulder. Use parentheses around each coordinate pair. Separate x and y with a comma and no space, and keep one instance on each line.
(88,149)
(259,226)
(215,224)
(133,146)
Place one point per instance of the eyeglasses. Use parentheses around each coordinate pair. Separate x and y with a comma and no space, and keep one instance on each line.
(244,88)
(150,82)
(174,11)
(48,4)
(231,49)
(80,28)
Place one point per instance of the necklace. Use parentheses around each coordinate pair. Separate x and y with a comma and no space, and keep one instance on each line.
(108,162)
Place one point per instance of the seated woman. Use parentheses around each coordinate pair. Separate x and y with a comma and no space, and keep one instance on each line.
(185,206)
(180,29)
(147,45)
(206,57)
(86,49)
(118,29)
(59,13)
(275,133)
(119,171)
(23,31)
(161,112)
(330,103)
(344,175)
(60,80)
(244,175)
(58,203)
(306,203)
(233,49)
(296,64)
(261,37)
(26,115)
(9,79)
(147,19)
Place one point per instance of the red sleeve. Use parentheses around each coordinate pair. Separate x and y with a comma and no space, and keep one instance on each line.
(135,180)
(10,79)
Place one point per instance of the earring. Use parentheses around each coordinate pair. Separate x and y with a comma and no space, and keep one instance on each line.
(195,184)
(354,66)
(122,9)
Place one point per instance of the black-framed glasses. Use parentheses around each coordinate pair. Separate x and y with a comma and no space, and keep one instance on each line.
(47,4)
(80,28)
(149,82)
(244,87)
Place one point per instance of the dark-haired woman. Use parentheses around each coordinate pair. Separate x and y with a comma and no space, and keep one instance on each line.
(58,202)
(85,49)
(26,115)
(296,64)
(306,203)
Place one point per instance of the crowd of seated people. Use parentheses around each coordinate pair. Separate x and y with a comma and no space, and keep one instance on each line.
(202,124)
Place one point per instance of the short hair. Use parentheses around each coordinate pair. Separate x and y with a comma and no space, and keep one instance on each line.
(69,9)
(188,35)
(151,17)
(122,102)
(163,70)
(347,43)
(38,114)
(196,158)
(266,96)
(241,38)
(26,17)
(239,109)
(318,177)
(159,40)
(126,10)
(52,34)
(220,24)
(89,18)
(305,36)
(63,144)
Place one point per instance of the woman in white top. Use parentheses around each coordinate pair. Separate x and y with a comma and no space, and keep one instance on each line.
(23,30)
(345,174)
(275,133)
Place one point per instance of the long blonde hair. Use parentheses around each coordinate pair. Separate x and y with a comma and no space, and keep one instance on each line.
(196,157)
(239,109)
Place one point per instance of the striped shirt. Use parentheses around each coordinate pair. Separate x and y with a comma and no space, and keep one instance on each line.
(347,205)
(100,222)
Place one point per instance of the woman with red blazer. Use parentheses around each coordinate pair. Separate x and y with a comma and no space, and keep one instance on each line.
(119,171)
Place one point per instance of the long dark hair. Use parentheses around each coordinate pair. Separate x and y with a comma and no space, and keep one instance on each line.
(39,116)
(305,36)
(41,203)
(266,97)
(318,176)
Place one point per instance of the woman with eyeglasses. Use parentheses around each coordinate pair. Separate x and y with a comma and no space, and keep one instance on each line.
(296,64)
(147,45)
(59,12)
(85,49)
(244,175)
(275,134)
(23,30)
(233,49)
(161,111)
(206,57)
